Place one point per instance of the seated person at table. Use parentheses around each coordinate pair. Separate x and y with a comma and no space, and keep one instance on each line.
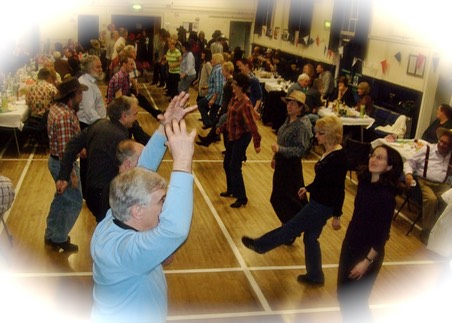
(302,84)
(328,80)
(430,166)
(343,92)
(365,98)
(313,100)
(40,96)
(443,119)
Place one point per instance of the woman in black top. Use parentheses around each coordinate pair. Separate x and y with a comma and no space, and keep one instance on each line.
(363,247)
(327,193)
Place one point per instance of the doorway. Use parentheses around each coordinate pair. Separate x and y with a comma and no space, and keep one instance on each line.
(135,24)
(239,36)
(88,28)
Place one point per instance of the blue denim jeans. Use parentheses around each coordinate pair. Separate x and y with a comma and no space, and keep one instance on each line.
(65,207)
(208,114)
(310,219)
(184,84)
(232,164)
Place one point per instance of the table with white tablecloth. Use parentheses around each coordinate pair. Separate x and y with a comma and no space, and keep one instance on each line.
(14,118)
(352,119)
(406,147)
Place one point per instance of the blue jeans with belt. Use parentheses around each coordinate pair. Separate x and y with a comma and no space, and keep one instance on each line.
(65,207)
(310,219)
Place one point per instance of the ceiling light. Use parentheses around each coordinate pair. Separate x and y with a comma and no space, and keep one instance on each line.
(137,7)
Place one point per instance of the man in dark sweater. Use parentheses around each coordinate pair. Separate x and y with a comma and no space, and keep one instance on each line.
(443,120)
(101,140)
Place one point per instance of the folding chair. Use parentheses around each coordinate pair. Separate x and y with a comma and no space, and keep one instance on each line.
(8,234)
(412,196)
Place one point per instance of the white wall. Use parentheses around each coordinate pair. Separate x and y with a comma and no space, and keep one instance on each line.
(60,22)
(408,27)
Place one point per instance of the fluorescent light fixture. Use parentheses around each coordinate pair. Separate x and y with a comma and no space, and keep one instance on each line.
(137,6)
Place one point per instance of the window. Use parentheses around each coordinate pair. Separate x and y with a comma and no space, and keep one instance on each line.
(264,16)
(300,18)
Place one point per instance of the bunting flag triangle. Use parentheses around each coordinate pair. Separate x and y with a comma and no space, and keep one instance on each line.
(355,60)
(341,50)
(384,66)
(398,57)
(317,41)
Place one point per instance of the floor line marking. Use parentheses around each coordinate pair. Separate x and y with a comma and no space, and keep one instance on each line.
(19,185)
(223,270)
(246,271)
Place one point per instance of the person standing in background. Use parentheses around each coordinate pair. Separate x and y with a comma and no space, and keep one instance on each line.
(173,58)
(187,69)
(92,107)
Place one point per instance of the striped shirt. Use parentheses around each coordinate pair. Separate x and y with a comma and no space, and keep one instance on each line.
(62,125)
(173,57)
(216,81)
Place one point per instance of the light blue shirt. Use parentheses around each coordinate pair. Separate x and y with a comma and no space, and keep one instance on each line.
(129,283)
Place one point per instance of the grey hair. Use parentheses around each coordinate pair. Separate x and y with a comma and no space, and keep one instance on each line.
(87,62)
(133,187)
(119,105)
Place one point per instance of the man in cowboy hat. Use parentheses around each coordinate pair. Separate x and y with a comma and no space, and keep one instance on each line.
(62,125)
(431,168)
(95,48)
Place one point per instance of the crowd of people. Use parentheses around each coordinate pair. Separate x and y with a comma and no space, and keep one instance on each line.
(141,220)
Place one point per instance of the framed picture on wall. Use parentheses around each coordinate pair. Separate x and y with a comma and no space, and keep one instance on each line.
(276,33)
(416,65)
(285,35)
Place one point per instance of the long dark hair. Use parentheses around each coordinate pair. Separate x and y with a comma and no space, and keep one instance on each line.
(393,176)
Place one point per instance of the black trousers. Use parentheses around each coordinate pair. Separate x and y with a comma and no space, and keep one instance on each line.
(287,180)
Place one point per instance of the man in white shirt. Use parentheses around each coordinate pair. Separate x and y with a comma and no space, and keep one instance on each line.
(92,107)
(430,165)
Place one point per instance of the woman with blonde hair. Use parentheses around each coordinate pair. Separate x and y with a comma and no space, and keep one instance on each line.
(327,193)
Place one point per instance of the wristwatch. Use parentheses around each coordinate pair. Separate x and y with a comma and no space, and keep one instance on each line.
(369,260)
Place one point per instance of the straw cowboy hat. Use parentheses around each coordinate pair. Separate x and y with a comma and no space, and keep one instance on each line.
(68,86)
(298,96)
(95,43)
(443,131)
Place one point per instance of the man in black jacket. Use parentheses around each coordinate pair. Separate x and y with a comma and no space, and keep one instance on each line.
(101,140)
